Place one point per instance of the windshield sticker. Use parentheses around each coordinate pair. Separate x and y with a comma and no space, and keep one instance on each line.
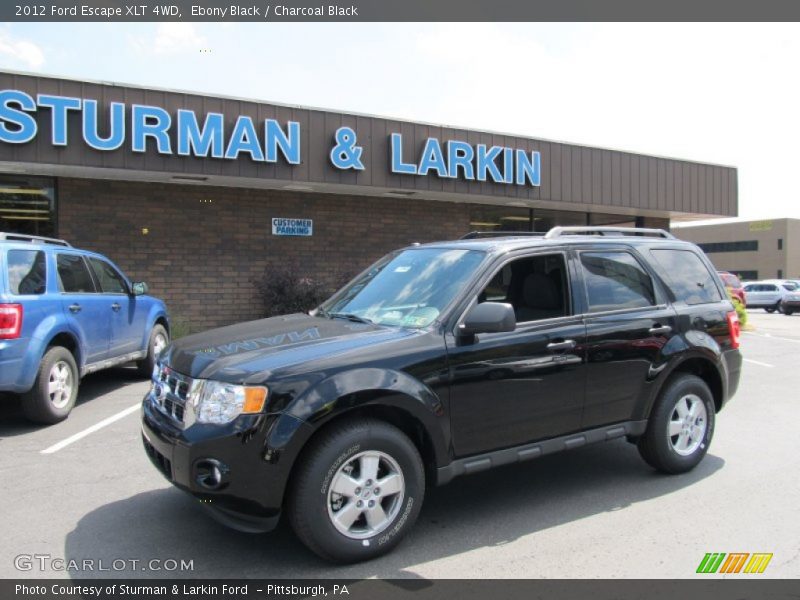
(402,269)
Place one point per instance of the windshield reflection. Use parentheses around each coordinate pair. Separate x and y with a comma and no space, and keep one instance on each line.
(408,289)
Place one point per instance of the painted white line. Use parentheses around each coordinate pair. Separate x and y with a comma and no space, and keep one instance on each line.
(89,430)
(762,364)
(772,337)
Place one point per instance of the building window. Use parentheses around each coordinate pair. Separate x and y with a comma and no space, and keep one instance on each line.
(28,205)
(780,273)
(746,275)
(745,246)
(498,218)
(780,243)
(545,220)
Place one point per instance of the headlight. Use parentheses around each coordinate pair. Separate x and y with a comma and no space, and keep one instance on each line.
(221,403)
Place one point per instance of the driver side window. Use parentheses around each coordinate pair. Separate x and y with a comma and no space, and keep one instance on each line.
(536,286)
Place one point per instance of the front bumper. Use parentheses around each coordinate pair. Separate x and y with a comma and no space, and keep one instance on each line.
(253,456)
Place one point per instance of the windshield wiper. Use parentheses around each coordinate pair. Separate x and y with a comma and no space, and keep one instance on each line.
(349,317)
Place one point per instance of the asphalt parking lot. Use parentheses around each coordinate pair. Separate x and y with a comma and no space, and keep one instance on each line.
(592,512)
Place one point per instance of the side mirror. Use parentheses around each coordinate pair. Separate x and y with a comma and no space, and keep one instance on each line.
(139,288)
(489,317)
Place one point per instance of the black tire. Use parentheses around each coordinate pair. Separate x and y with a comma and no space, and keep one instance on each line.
(310,506)
(147,364)
(657,447)
(788,312)
(42,406)
(770,309)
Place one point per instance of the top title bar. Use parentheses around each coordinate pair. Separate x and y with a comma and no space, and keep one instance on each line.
(397,10)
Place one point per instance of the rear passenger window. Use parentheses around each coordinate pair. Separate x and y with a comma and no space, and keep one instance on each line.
(615,280)
(73,275)
(687,276)
(27,273)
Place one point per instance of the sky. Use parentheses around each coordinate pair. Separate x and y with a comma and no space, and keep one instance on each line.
(719,93)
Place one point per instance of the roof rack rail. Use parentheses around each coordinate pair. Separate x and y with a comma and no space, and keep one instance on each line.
(606,231)
(21,237)
(472,235)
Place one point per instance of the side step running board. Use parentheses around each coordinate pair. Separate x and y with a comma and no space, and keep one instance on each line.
(507,456)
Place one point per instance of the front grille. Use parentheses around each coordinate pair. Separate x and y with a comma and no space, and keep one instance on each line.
(161,462)
(170,393)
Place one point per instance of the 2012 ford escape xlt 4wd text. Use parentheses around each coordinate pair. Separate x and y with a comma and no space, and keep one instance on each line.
(442,360)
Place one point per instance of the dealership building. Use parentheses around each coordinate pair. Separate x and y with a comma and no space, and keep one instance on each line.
(763,249)
(198,195)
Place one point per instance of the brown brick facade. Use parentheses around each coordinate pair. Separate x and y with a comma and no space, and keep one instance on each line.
(205,244)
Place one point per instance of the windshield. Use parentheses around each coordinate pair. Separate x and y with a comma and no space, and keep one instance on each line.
(409,289)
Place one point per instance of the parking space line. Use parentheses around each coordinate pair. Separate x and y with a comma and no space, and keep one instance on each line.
(756,362)
(89,430)
(772,337)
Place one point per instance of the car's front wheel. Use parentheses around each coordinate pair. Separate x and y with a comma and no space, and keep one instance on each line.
(159,338)
(680,427)
(357,491)
(55,390)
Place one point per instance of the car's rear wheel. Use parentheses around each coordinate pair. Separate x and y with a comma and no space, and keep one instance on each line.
(357,491)
(159,338)
(55,390)
(769,309)
(681,425)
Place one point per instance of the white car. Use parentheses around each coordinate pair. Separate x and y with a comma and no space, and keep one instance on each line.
(769,294)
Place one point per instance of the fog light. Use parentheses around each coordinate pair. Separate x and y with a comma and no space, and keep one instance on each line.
(211,474)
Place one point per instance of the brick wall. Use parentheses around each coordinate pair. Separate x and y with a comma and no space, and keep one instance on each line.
(206,244)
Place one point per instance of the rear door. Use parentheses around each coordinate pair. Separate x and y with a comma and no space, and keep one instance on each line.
(628,322)
(87,311)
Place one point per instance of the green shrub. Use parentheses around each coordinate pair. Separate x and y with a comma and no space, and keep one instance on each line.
(741,311)
(180,327)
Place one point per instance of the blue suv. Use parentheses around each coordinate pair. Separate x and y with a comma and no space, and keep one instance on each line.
(64,313)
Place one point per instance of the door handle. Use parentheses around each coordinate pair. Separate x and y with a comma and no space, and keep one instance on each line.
(658,329)
(116,306)
(565,345)
(74,308)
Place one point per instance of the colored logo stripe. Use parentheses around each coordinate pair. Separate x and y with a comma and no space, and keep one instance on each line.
(758,563)
(734,562)
(713,562)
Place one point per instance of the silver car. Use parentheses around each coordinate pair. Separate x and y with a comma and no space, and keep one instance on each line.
(768,294)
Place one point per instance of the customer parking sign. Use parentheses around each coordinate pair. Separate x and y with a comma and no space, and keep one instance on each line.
(298,227)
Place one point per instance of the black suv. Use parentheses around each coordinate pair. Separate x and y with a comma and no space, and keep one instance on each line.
(441,360)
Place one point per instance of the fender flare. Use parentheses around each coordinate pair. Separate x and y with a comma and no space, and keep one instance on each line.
(358,388)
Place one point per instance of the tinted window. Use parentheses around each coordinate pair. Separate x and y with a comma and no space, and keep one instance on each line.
(687,276)
(73,276)
(27,273)
(111,281)
(615,280)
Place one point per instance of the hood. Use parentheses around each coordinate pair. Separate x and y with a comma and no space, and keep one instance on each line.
(251,351)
